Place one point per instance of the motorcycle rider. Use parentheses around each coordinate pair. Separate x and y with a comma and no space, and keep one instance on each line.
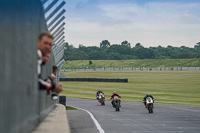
(98,92)
(112,98)
(148,95)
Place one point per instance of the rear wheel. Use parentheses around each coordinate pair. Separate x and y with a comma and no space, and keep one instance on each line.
(102,103)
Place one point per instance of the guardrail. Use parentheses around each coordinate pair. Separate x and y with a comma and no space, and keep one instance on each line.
(136,69)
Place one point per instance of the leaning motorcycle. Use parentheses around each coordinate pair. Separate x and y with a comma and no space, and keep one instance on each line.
(101,98)
(116,103)
(149,104)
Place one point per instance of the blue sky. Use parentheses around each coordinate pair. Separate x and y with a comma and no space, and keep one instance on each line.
(150,22)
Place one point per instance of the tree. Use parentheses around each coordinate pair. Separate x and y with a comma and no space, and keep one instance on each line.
(197,47)
(122,52)
(90,62)
(138,45)
(126,43)
(105,44)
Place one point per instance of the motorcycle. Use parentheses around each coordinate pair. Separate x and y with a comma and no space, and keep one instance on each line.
(116,103)
(101,98)
(149,104)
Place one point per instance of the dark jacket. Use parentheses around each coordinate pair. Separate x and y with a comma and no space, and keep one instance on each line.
(98,92)
(148,96)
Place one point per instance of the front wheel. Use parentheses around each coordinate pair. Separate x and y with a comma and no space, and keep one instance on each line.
(103,103)
(150,108)
(117,107)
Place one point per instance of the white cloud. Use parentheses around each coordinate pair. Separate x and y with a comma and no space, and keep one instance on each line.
(151,24)
(154,12)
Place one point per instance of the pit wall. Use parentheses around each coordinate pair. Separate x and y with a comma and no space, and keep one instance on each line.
(22,104)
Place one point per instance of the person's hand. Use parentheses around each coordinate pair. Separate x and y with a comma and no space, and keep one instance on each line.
(53,78)
(58,88)
(48,80)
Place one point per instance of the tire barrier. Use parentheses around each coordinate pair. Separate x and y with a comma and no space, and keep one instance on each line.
(62,100)
(93,80)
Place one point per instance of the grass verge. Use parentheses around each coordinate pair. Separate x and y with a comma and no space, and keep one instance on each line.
(133,63)
(174,87)
(70,108)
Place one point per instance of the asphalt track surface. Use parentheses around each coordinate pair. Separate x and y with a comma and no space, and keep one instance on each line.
(81,122)
(133,118)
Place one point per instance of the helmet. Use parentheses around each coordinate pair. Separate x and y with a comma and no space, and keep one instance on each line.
(114,92)
(98,90)
(148,94)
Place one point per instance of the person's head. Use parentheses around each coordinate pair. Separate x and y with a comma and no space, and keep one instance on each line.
(45,40)
(55,68)
(114,92)
(98,90)
(46,57)
(148,94)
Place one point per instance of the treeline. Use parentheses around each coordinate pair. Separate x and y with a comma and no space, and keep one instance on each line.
(124,51)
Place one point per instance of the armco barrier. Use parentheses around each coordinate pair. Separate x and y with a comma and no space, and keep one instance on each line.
(93,80)
(136,69)
(22,104)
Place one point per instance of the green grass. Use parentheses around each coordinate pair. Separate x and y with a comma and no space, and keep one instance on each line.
(70,108)
(134,63)
(175,87)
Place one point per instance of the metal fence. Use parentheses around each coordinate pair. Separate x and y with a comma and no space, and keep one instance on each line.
(55,15)
(136,69)
(54,12)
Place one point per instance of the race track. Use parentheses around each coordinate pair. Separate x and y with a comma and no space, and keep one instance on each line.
(134,118)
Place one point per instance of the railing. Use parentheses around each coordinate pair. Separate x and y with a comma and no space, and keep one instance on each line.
(55,15)
(136,69)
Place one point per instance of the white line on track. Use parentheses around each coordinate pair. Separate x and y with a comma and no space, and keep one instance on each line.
(92,116)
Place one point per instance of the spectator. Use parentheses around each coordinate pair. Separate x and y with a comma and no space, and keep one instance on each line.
(45,41)
(52,79)
(53,75)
